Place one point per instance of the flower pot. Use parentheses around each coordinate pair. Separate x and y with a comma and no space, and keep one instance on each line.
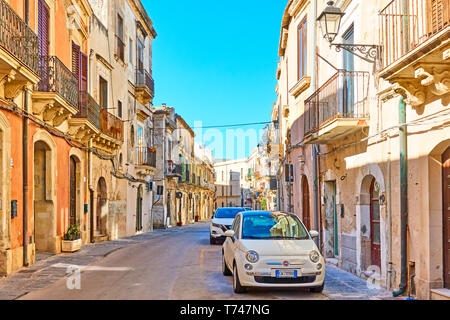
(196,219)
(70,245)
(179,224)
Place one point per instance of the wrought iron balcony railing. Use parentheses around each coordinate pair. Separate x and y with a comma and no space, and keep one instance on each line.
(145,157)
(17,38)
(120,48)
(344,95)
(111,125)
(56,77)
(88,109)
(173,169)
(143,78)
(406,24)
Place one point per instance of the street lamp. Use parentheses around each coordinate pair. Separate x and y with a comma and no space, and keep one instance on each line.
(330,22)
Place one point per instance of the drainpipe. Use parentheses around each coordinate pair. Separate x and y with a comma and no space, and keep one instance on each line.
(91,193)
(25,180)
(403,198)
(389,209)
(314,151)
(25,165)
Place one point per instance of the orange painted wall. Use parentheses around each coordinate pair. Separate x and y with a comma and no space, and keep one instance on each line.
(62,180)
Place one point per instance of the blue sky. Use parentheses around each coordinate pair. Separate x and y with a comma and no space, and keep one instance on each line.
(215,61)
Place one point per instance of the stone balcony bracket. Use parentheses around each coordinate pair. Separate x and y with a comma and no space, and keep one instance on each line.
(435,77)
(411,90)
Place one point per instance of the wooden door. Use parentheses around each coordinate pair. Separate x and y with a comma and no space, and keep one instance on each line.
(446,214)
(375,242)
(73,191)
(305,204)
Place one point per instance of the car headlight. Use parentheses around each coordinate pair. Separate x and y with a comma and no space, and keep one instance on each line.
(314,256)
(216,225)
(252,256)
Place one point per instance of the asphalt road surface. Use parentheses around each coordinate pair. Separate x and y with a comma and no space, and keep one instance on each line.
(182,265)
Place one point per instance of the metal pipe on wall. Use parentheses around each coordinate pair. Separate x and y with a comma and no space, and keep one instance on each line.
(25,163)
(403,199)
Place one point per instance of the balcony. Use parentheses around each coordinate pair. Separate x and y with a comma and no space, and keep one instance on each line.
(415,37)
(19,56)
(145,86)
(111,125)
(173,170)
(120,49)
(338,108)
(86,123)
(55,96)
(145,161)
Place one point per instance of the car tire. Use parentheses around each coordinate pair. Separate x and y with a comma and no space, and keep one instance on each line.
(212,240)
(317,289)
(225,270)
(237,288)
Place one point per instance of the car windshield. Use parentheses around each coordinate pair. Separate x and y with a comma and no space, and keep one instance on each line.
(227,213)
(273,226)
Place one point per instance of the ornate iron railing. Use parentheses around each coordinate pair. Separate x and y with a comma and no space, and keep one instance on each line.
(120,48)
(143,78)
(88,109)
(56,77)
(111,125)
(146,156)
(17,38)
(173,169)
(344,95)
(406,24)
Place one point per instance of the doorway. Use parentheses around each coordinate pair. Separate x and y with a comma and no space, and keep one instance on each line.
(446,215)
(375,241)
(102,207)
(74,176)
(139,226)
(43,204)
(306,216)
(330,226)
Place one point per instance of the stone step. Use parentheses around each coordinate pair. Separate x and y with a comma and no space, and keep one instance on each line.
(100,238)
(440,294)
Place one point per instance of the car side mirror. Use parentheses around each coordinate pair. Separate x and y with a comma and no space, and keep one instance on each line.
(229,233)
(314,234)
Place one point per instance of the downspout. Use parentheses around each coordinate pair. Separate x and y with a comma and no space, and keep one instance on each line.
(403,199)
(403,171)
(25,180)
(25,164)
(314,151)
(389,209)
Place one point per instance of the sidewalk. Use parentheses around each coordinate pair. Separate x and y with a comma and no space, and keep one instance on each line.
(45,271)
(343,285)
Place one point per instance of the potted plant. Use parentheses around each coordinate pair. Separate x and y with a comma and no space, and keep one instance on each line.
(72,240)
(152,149)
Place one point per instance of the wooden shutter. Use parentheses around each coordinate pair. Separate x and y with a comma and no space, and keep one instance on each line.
(439,15)
(43,28)
(76,61)
(83,72)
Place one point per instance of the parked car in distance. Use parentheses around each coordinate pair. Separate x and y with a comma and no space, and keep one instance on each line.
(221,222)
(272,249)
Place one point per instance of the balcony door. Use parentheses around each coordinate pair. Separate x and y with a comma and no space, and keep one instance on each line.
(348,81)
(44,43)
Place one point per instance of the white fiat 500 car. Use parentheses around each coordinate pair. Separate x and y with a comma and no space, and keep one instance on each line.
(272,249)
(221,222)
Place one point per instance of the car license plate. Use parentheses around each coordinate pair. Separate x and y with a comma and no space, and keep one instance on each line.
(286,273)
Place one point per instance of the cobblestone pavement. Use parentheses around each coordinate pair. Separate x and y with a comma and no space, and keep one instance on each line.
(199,281)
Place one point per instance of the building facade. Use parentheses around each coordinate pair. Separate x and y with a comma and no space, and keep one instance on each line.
(364,138)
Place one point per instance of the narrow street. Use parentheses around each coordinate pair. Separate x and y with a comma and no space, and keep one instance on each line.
(178,263)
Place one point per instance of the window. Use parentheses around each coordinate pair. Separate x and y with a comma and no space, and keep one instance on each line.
(119,109)
(103,85)
(302,46)
(130,51)
(119,36)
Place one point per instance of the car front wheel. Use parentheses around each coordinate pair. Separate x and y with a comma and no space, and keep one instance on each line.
(317,289)
(236,283)
(225,270)
(212,240)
